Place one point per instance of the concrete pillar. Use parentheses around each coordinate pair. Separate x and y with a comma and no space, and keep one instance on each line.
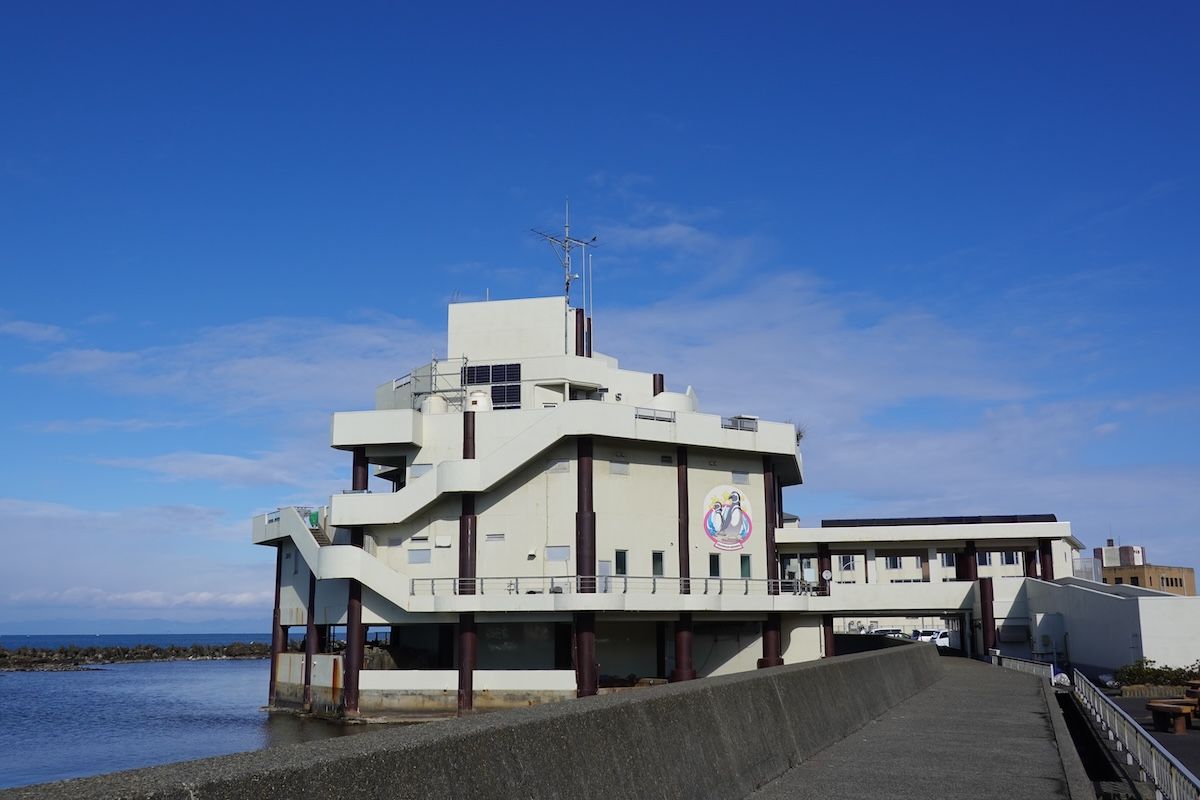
(467,654)
(580,333)
(935,565)
(352,659)
(771,518)
(278,639)
(771,642)
(966,565)
(1030,559)
(467,520)
(683,504)
(1046,553)
(987,613)
(684,670)
(660,383)
(830,647)
(586,678)
(824,564)
(585,519)
(870,572)
(310,639)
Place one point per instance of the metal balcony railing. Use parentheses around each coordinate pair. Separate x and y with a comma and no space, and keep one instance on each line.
(653,414)
(739,423)
(1171,780)
(611,584)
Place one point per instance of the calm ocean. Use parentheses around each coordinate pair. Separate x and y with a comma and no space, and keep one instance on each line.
(56,725)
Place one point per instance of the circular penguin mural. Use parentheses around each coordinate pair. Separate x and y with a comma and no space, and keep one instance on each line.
(727,518)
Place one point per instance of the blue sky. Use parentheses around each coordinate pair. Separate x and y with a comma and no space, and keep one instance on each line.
(957,246)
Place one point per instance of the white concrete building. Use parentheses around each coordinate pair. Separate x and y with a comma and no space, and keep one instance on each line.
(553,524)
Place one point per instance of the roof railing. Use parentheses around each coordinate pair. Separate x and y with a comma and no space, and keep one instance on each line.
(740,423)
(653,414)
(611,584)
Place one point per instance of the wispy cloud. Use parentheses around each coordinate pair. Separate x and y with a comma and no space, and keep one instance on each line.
(33,331)
(99,425)
(307,468)
(92,597)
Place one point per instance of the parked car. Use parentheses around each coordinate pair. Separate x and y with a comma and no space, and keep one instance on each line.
(927,635)
(944,638)
(895,633)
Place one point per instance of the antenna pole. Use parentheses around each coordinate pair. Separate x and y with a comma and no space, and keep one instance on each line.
(562,248)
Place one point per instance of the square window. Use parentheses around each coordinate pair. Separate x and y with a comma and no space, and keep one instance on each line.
(983,559)
(618,468)
(1010,557)
(714,565)
(741,478)
(893,562)
(847,563)
(948,560)
(423,556)
(558,552)
(656,564)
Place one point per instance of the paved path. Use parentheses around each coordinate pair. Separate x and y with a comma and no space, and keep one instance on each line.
(980,732)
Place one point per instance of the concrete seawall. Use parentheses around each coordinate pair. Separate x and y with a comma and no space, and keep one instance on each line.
(718,738)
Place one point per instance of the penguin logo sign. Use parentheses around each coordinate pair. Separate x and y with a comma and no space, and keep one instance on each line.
(727,518)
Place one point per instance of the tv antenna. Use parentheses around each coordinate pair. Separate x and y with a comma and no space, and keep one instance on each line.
(562,247)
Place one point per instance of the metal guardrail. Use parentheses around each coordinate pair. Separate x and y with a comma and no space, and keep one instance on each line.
(653,414)
(1042,669)
(739,423)
(610,584)
(1171,780)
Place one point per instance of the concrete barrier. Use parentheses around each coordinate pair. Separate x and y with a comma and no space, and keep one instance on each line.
(716,738)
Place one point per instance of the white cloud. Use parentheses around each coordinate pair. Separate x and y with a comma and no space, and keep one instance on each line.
(99,425)
(33,331)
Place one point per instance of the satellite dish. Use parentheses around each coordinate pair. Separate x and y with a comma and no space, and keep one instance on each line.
(827,575)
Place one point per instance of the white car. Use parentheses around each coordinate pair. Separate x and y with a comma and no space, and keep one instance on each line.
(944,638)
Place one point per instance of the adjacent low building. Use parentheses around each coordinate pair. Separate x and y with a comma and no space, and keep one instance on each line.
(1129,565)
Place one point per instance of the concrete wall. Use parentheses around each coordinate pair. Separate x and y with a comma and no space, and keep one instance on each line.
(720,738)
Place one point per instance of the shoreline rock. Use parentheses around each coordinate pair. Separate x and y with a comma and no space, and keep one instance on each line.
(74,659)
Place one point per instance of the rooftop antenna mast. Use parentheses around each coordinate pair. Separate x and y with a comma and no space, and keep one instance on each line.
(562,248)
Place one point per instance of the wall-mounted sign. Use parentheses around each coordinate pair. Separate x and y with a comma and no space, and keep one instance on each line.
(727,518)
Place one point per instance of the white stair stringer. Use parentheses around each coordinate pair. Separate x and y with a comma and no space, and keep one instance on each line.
(482,473)
(347,561)
(295,527)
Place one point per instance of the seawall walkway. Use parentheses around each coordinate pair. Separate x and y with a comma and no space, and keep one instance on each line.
(979,732)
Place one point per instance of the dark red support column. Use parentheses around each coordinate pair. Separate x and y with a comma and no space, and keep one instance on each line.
(586,679)
(827,635)
(966,564)
(1030,557)
(467,560)
(467,654)
(683,503)
(824,564)
(589,337)
(352,659)
(1046,553)
(311,639)
(684,670)
(987,613)
(770,642)
(771,518)
(585,519)
(660,383)
(277,639)
(580,334)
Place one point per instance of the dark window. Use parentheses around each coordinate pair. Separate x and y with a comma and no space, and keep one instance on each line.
(656,563)
(506,373)
(948,560)
(1010,557)
(475,375)
(714,565)
(983,559)
(893,562)
(1135,581)
(1120,581)
(622,562)
(745,566)
(506,396)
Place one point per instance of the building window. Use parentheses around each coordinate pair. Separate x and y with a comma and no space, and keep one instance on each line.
(506,396)
(493,537)
(656,564)
(419,556)
(622,562)
(1009,557)
(948,560)
(561,552)
(745,566)
(667,459)
(505,380)
(741,478)
(714,565)
(847,563)
(1119,581)
(983,559)
(892,562)
(1135,581)
(618,468)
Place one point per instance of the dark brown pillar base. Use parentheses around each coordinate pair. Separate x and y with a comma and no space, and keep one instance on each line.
(683,650)
(311,640)
(467,654)
(824,564)
(353,657)
(1046,557)
(586,678)
(1030,557)
(278,642)
(770,641)
(827,635)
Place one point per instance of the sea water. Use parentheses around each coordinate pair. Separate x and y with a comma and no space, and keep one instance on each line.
(56,725)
